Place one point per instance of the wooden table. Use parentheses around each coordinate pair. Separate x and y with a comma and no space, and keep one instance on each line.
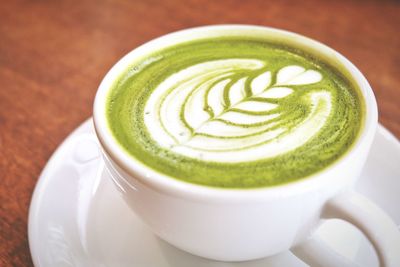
(53,55)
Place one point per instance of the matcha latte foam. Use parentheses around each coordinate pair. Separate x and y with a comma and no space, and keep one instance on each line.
(234,112)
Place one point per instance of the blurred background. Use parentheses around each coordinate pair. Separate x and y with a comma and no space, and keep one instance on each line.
(53,55)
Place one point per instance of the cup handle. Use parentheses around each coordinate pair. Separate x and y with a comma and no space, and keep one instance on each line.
(358,210)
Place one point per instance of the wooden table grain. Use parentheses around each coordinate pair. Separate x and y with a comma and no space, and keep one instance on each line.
(53,54)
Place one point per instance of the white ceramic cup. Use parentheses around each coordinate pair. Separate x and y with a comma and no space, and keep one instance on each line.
(238,225)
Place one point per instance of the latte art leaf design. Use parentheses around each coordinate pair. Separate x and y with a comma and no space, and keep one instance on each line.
(234,110)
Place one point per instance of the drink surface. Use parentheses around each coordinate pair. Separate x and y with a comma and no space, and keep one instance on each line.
(234,112)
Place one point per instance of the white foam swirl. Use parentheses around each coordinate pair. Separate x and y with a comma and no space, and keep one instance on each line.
(205,111)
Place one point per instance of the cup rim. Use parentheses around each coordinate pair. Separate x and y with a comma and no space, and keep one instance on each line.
(166,184)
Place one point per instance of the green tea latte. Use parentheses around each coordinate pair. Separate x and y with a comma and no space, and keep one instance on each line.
(234,112)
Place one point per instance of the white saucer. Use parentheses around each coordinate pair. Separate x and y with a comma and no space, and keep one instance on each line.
(77,217)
